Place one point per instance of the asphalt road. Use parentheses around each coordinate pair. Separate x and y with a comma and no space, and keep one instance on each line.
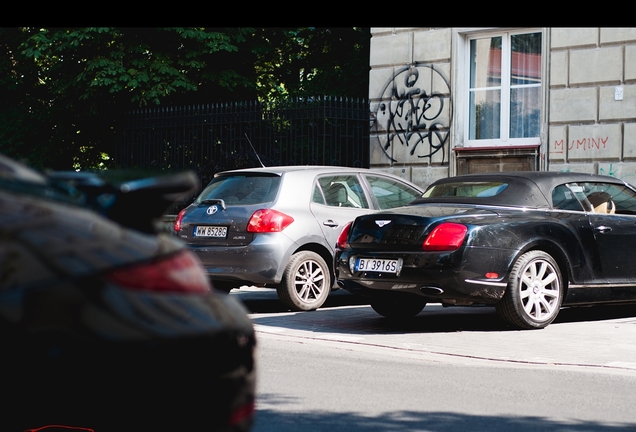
(345,368)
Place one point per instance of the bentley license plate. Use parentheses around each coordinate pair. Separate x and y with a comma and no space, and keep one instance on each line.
(210,231)
(379,265)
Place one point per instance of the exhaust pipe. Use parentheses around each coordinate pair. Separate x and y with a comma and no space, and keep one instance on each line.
(428,290)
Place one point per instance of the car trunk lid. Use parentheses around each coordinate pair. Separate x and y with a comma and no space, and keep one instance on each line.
(406,228)
(210,224)
(220,214)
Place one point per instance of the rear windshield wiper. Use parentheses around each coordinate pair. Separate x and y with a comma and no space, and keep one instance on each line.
(214,201)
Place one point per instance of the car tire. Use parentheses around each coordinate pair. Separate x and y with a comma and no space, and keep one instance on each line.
(534,294)
(306,282)
(399,307)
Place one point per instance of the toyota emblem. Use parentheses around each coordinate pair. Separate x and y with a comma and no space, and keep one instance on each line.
(212,209)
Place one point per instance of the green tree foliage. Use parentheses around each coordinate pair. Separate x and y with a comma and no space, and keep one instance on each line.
(23,107)
(312,61)
(142,65)
(62,90)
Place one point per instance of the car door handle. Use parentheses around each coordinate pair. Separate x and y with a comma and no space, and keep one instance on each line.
(603,229)
(330,223)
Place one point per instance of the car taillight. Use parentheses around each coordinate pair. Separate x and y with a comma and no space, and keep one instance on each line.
(268,220)
(447,236)
(181,273)
(341,243)
(242,415)
(177,222)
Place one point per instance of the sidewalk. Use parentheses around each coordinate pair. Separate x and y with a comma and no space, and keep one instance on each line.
(601,337)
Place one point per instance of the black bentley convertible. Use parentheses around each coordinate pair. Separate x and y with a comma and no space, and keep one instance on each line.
(527,243)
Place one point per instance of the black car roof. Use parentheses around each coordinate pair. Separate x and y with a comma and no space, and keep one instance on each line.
(527,188)
(543,179)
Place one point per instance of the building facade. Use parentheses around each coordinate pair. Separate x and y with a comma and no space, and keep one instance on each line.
(448,101)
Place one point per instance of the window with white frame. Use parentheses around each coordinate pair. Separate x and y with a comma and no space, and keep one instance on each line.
(504,88)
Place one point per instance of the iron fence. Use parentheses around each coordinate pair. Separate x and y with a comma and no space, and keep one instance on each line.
(216,137)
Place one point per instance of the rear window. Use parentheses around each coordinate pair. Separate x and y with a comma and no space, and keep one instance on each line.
(241,189)
(465,190)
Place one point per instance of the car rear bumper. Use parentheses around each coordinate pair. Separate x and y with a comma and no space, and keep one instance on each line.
(182,384)
(141,367)
(449,277)
(261,262)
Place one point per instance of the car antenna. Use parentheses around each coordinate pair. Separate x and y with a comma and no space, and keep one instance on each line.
(253,149)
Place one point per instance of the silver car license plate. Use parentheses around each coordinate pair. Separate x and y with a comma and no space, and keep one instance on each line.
(379,265)
(211,231)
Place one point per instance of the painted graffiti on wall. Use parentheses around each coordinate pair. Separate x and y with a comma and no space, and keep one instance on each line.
(583,144)
(609,170)
(619,171)
(412,120)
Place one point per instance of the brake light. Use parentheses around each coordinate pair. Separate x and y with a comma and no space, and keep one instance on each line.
(243,414)
(341,243)
(181,273)
(177,222)
(268,220)
(447,236)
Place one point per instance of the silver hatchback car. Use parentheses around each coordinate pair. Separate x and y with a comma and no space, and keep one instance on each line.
(277,227)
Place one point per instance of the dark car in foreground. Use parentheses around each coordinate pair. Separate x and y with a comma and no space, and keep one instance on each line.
(107,324)
(526,243)
(277,227)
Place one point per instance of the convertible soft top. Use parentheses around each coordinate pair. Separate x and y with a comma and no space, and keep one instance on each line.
(524,188)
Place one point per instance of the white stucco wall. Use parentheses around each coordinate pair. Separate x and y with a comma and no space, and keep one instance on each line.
(414,86)
(410,87)
(589,128)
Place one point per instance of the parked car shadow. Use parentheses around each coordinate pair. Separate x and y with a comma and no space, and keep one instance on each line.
(269,420)
(335,316)
(596,313)
(265,300)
